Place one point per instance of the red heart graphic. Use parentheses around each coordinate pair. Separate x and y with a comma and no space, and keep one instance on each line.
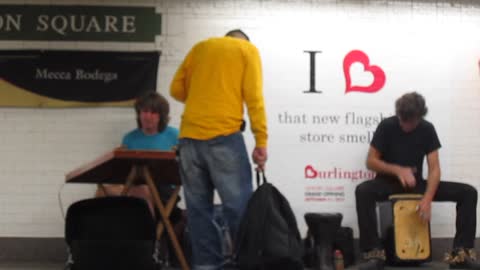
(377,72)
(310,172)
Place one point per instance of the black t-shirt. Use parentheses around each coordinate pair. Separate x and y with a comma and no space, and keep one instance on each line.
(402,148)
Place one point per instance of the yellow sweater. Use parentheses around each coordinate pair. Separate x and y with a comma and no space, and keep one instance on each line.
(214,81)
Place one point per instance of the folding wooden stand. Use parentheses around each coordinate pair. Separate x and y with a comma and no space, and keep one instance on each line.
(130,167)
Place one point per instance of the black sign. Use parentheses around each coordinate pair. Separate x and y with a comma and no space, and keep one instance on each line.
(75,78)
(79,23)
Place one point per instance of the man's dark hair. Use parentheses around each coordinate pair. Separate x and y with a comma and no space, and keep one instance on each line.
(237,33)
(153,102)
(411,106)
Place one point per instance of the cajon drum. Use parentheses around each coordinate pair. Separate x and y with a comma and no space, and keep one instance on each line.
(406,236)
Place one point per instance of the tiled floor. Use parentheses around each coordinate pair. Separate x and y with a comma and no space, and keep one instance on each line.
(59,266)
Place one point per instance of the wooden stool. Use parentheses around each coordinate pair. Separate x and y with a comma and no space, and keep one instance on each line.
(406,236)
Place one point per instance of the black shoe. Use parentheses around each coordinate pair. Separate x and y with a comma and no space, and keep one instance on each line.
(230,263)
(461,258)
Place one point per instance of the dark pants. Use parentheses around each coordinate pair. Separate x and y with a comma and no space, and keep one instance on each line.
(378,189)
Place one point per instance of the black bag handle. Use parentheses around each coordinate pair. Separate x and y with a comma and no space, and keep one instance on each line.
(263,180)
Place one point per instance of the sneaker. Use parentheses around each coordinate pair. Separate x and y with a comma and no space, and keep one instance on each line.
(461,258)
(373,260)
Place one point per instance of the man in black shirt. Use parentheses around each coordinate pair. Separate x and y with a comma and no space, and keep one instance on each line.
(396,154)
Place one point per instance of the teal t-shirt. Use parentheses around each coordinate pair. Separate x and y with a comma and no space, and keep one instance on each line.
(164,140)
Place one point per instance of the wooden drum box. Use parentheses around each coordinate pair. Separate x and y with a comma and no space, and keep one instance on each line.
(406,237)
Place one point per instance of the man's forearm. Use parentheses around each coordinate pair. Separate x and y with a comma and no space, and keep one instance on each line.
(433,180)
(380,166)
(258,121)
(177,91)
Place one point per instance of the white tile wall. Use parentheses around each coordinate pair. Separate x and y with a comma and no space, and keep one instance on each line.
(38,146)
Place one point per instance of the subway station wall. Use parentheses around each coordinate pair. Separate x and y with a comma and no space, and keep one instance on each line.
(366,54)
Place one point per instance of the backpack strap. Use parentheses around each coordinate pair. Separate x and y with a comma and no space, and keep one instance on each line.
(262,180)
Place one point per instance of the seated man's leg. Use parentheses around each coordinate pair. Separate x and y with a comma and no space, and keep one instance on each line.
(465,196)
(143,192)
(366,196)
(109,190)
(140,191)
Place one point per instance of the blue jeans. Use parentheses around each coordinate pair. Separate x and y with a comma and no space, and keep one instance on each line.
(220,163)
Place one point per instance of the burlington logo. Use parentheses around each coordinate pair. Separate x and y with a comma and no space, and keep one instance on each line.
(339,173)
(360,76)
(310,172)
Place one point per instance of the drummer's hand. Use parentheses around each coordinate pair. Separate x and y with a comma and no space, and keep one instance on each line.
(424,209)
(406,177)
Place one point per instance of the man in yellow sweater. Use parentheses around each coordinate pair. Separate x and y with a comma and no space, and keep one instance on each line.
(215,80)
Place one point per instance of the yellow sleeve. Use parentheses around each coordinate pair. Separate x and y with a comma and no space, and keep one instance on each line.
(253,95)
(179,85)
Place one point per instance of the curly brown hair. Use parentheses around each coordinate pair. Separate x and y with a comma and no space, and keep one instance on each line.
(411,106)
(154,102)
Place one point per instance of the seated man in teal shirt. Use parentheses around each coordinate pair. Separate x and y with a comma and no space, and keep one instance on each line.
(153,133)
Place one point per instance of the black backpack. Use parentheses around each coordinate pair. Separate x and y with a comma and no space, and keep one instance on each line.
(268,237)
